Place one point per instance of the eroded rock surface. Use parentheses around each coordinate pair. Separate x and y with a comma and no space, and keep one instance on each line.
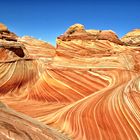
(33,45)
(10,49)
(17,126)
(132,38)
(87,88)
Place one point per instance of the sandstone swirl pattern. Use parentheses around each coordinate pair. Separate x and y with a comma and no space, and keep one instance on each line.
(88,88)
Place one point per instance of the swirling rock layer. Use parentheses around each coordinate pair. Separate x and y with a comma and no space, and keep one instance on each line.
(87,88)
(17,126)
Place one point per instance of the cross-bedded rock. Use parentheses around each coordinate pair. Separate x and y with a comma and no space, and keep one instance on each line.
(86,88)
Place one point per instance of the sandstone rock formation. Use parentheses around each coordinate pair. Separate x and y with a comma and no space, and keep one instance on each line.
(33,45)
(77,31)
(17,126)
(87,88)
(132,38)
(3,28)
(6,34)
(10,49)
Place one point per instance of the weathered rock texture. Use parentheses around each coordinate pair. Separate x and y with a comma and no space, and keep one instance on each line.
(132,38)
(17,126)
(87,88)
(37,48)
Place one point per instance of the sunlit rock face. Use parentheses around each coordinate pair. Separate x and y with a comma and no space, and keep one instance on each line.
(10,49)
(6,34)
(17,126)
(132,38)
(37,48)
(86,43)
(87,88)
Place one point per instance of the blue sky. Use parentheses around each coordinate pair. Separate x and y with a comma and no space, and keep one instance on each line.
(47,19)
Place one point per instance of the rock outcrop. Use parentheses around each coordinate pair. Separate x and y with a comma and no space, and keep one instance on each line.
(132,38)
(6,34)
(18,126)
(34,45)
(86,43)
(3,28)
(86,88)
(10,49)
(77,31)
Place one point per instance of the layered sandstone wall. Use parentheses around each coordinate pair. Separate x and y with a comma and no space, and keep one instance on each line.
(87,88)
